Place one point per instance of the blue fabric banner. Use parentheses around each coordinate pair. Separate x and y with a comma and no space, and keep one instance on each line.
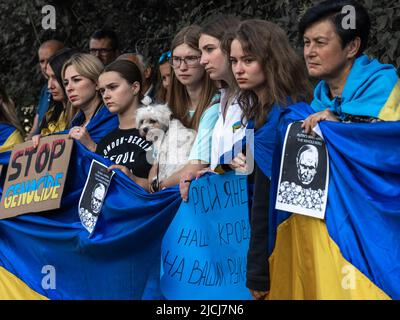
(120,260)
(5,131)
(102,123)
(363,208)
(261,142)
(204,250)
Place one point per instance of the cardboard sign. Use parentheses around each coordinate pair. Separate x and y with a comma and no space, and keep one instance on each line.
(93,194)
(304,176)
(36,176)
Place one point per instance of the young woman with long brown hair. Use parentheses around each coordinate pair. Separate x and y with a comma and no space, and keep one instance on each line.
(271,77)
(191,98)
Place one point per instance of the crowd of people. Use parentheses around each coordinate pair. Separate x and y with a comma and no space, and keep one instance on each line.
(218,80)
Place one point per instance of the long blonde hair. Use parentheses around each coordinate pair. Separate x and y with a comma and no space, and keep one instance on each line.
(87,66)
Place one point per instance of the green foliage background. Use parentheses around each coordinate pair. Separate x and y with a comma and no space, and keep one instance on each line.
(148,26)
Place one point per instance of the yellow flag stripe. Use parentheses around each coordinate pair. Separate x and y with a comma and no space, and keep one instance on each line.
(391,109)
(307,264)
(12,140)
(12,288)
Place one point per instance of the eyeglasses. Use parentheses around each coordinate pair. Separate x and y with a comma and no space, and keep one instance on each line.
(164,57)
(101,51)
(190,61)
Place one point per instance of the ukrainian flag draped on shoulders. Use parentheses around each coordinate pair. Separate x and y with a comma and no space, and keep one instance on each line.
(261,141)
(353,253)
(102,123)
(265,138)
(372,89)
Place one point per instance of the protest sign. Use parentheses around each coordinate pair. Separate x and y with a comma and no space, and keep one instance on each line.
(304,176)
(36,176)
(93,194)
(204,251)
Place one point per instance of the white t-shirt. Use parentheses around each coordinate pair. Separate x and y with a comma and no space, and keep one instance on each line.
(227,131)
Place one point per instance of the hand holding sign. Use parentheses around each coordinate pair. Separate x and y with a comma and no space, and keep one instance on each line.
(312,120)
(93,194)
(239,163)
(36,176)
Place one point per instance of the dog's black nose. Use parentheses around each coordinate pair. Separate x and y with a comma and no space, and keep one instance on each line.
(145,130)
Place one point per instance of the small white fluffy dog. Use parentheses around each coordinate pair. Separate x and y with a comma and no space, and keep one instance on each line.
(172,141)
(153,117)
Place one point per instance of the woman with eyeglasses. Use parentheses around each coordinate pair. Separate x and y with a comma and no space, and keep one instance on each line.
(191,89)
(163,78)
(191,99)
(10,127)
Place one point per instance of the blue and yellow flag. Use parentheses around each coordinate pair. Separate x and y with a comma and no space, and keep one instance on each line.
(102,123)
(9,136)
(50,255)
(372,89)
(261,142)
(353,253)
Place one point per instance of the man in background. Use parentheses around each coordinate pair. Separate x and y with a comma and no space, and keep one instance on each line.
(104,45)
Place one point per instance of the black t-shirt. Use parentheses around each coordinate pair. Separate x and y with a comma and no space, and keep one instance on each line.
(126,147)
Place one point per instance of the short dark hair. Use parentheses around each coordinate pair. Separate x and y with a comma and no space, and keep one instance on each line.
(332,10)
(107,33)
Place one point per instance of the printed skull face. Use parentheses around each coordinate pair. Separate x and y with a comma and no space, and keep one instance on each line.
(97,198)
(307,163)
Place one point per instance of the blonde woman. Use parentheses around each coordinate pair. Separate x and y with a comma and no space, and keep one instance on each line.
(80,78)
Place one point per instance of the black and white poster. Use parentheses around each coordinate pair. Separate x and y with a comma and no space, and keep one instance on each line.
(93,194)
(304,175)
